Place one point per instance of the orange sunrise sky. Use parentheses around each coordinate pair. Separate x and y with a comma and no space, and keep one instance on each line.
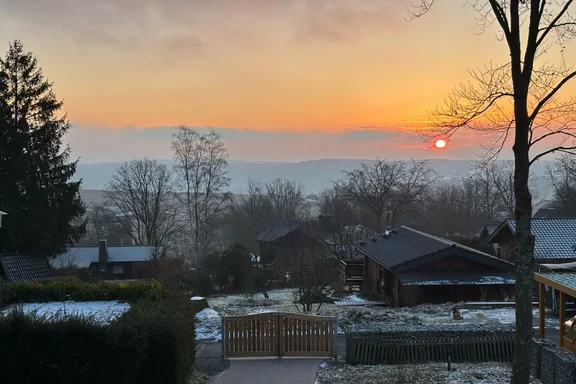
(279,79)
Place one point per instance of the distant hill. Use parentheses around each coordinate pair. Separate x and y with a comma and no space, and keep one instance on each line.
(315,175)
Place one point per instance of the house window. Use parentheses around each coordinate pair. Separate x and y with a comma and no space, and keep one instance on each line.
(117,269)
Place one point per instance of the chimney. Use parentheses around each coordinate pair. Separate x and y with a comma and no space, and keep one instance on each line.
(102,255)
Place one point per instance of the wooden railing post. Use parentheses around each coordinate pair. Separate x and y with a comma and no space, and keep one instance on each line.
(335,346)
(223,338)
(562,316)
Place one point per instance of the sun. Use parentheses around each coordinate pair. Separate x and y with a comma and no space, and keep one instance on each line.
(440,143)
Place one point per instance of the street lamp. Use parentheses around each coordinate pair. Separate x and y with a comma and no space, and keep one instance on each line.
(2,214)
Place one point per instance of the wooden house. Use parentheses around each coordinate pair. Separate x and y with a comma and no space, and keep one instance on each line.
(406,267)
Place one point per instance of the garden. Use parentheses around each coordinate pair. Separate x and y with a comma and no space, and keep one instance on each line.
(65,330)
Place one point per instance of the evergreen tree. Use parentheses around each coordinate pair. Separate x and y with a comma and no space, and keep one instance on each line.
(45,211)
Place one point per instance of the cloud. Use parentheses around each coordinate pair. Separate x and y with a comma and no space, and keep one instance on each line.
(98,37)
(183,44)
(95,144)
(338,20)
(332,20)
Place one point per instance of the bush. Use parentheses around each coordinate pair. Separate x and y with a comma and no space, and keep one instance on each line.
(153,342)
(70,288)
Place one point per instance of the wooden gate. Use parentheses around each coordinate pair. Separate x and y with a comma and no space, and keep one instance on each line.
(278,334)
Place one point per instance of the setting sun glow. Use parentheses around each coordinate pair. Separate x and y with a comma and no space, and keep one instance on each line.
(440,143)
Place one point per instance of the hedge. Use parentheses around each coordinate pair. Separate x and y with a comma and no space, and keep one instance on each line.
(62,289)
(153,342)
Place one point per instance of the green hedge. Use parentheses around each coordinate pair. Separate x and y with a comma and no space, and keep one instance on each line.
(62,289)
(153,342)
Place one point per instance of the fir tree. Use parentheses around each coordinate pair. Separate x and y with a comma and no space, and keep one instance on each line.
(44,207)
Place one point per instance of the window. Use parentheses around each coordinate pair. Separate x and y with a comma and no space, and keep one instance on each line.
(117,269)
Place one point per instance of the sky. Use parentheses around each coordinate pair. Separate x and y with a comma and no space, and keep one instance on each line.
(279,79)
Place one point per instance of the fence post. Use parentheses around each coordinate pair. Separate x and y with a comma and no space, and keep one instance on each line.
(223,339)
(335,352)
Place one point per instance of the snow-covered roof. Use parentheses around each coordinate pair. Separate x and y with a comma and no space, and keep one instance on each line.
(82,257)
(555,237)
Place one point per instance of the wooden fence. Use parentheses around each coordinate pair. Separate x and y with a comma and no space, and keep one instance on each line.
(383,348)
(278,334)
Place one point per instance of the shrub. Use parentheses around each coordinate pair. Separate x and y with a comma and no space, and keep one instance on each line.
(70,288)
(153,342)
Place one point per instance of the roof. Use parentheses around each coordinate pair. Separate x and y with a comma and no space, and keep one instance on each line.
(548,212)
(555,237)
(82,257)
(22,267)
(457,278)
(565,282)
(408,245)
(282,228)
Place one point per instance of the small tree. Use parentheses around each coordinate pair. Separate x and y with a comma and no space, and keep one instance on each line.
(312,273)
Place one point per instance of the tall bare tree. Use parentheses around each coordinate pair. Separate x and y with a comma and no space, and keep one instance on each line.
(141,198)
(201,175)
(287,198)
(562,176)
(340,213)
(518,100)
(250,214)
(382,184)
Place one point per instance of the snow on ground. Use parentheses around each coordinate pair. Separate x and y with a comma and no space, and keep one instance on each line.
(208,325)
(282,300)
(436,373)
(101,311)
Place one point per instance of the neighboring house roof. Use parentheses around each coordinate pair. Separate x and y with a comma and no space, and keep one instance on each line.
(555,237)
(406,248)
(82,257)
(22,267)
(282,228)
(548,212)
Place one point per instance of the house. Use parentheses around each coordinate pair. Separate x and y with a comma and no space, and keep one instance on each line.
(285,237)
(16,267)
(406,267)
(555,238)
(485,232)
(112,262)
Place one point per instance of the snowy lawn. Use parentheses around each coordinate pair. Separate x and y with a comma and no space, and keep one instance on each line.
(435,373)
(101,311)
(282,300)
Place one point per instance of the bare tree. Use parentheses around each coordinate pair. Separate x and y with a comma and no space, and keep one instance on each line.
(141,198)
(519,99)
(250,213)
(313,273)
(287,198)
(443,212)
(383,184)
(562,176)
(201,174)
(339,212)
